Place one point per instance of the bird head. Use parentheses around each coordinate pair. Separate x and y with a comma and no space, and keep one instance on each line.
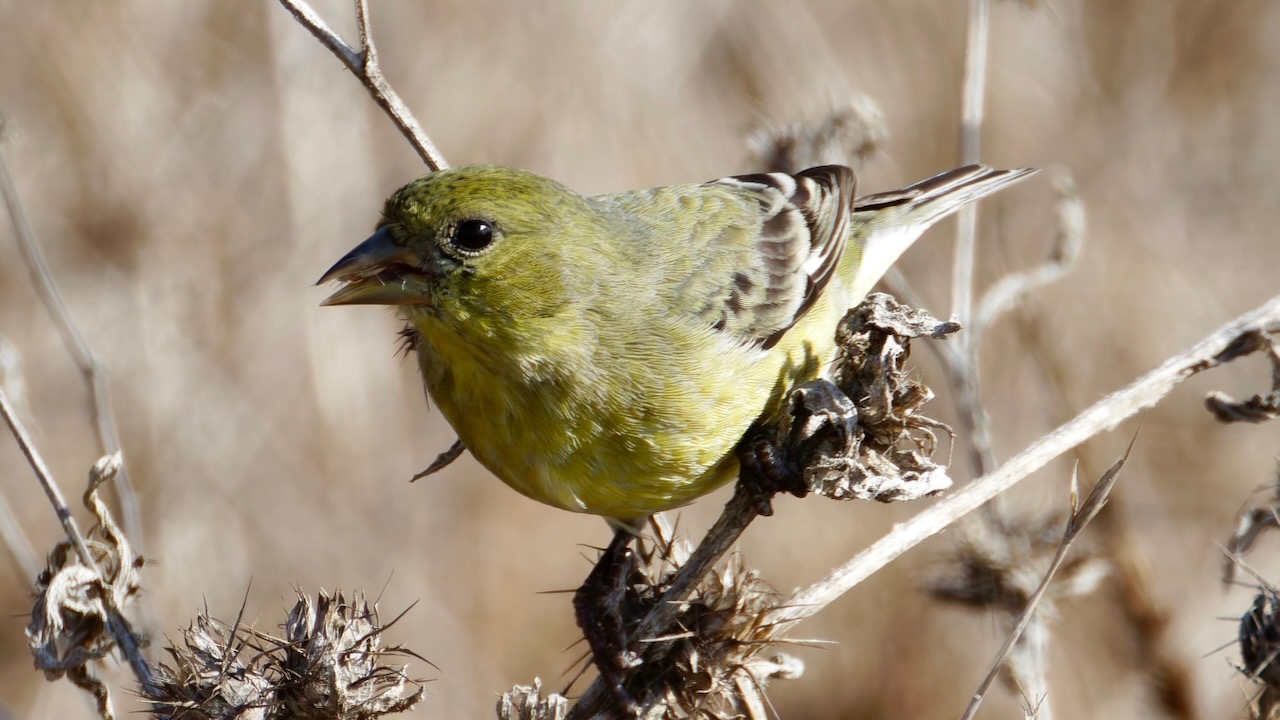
(465,242)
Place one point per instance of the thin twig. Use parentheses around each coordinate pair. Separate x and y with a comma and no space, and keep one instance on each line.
(963,370)
(971,107)
(364,64)
(1101,417)
(104,418)
(51,489)
(1080,517)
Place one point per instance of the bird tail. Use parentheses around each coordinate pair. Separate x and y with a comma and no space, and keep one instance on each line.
(893,220)
(928,201)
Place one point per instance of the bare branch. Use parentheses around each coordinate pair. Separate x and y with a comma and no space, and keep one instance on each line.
(51,489)
(1144,392)
(364,64)
(104,419)
(963,369)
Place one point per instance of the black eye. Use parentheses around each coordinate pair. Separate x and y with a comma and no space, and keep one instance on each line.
(472,235)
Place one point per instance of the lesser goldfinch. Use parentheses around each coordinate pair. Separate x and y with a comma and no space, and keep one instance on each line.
(606,354)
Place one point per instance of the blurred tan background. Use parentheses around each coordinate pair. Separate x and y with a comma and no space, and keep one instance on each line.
(192,167)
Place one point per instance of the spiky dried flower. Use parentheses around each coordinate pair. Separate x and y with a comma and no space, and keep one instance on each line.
(863,436)
(330,665)
(712,661)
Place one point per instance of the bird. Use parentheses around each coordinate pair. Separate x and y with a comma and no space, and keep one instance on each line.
(606,354)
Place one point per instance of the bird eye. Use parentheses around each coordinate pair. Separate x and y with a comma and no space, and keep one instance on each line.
(472,236)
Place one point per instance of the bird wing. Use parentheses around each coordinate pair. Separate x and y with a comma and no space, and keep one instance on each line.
(760,275)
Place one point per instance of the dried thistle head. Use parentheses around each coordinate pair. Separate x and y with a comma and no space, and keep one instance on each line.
(331,665)
(710,662)
(863,436)
(215,673)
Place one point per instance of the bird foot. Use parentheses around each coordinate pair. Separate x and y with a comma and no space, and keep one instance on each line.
(821,417)
(597,609)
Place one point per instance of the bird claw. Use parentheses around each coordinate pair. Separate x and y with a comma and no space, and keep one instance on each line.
(822,416)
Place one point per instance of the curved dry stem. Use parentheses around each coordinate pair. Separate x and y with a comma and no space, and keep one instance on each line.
(1064,251)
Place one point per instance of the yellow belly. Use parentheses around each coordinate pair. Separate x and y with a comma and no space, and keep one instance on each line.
(622,434)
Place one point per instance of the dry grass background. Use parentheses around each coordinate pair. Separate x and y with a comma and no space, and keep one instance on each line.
(192,167)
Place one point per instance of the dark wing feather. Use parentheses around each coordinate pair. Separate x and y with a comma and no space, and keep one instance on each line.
(804,220)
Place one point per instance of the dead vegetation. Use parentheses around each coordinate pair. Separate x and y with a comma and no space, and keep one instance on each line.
(184,196)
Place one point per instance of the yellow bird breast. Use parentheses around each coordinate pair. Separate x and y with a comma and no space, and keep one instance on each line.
(603,426)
